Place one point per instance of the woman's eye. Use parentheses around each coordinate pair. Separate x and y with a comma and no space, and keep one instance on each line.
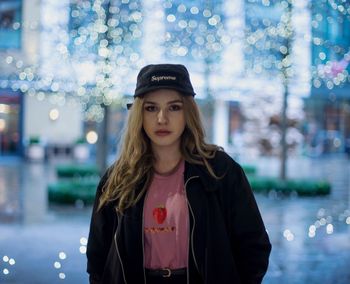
(150,108)
(175,107)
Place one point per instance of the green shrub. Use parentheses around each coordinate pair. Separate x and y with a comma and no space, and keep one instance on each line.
(80,140)
(300,186)
(34,140)
(69,191)
(76,170)
(249,169)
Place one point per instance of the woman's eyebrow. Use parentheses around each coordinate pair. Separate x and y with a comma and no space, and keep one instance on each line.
(175,101)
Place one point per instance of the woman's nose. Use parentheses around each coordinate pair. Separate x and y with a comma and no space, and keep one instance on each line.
(162,117)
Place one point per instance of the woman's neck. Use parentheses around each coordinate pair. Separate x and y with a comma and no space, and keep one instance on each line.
(166,159)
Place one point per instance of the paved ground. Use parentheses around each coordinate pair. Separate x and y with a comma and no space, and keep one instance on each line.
(45,244)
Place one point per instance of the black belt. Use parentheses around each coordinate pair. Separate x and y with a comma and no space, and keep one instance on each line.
(166,272)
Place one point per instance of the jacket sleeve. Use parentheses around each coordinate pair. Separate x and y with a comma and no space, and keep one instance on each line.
(249,239)
(100,236)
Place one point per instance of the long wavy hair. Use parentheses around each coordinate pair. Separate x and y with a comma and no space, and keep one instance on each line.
(134,168)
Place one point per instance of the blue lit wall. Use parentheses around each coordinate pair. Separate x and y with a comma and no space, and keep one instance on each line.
(331,48)
(10,24)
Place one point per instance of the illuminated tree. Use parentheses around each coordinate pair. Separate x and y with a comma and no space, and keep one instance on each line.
(195,35)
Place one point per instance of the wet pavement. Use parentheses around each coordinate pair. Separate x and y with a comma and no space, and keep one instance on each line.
(310,236)
(42,243)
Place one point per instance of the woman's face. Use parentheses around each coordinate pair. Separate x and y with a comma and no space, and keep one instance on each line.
(164,118)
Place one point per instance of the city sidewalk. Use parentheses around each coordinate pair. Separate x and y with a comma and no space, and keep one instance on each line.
(41,243)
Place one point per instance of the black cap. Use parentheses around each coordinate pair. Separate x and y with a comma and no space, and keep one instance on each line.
(164,76)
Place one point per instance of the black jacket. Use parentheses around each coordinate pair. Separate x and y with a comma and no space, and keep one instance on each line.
(228,240)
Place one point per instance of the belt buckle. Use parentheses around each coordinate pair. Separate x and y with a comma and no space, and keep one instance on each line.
(168,272)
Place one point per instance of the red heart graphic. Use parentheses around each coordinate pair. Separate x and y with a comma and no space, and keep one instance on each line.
(159,214)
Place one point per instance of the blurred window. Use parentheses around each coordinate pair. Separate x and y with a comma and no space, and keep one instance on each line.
(10,123)
(10,24)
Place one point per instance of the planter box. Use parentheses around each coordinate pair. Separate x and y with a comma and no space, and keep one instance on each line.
(71,191)
(76,170)
(299,186)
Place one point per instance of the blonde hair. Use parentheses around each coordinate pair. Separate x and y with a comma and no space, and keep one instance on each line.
(134,168)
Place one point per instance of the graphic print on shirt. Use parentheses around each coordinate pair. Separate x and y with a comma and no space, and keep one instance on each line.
(159,214)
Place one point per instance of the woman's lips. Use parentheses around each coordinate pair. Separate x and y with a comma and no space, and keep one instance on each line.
(162,132)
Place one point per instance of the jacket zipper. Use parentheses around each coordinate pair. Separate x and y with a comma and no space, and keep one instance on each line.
(116,245)
(192,231)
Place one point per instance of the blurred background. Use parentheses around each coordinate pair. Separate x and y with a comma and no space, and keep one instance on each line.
(272,82)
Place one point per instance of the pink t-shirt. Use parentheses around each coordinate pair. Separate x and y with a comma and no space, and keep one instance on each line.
(166,222)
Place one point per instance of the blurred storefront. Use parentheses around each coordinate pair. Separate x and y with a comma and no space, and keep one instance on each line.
(33,120)
(10,123)
(327,124)
(327,110)
(11,103)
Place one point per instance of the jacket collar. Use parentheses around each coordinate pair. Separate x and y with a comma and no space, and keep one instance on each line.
(209,183)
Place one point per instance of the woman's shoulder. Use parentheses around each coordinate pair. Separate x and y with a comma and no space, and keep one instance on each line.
(222,162)
(223,157)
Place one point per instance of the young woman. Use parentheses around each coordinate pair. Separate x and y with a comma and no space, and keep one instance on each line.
(172,208)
